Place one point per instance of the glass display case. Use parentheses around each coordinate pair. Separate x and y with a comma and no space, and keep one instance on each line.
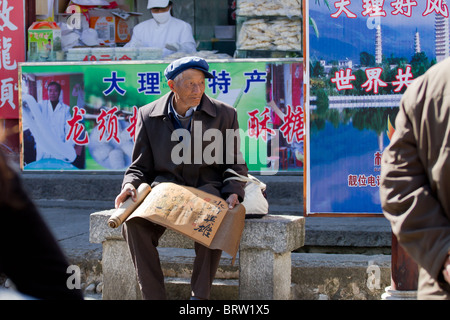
(222,30)
(268,29)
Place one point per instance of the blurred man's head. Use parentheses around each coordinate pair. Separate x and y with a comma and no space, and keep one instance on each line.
(54,90)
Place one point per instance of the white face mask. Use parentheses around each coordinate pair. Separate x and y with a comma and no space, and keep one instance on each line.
(161,17)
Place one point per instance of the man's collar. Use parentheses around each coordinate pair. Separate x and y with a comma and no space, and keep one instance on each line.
(172,110)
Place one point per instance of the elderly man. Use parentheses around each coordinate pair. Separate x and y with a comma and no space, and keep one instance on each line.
(185,107)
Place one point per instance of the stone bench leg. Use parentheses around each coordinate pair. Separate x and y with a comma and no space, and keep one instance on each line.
(266,275)
(119,276)
(265,257)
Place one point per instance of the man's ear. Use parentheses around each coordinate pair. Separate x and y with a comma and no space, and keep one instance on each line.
(171,84)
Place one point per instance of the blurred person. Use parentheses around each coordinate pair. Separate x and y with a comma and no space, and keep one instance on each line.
(163,31)
(415,179)
(30,256)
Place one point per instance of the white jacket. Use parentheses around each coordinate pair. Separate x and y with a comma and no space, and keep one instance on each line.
(151,34)
(49,128)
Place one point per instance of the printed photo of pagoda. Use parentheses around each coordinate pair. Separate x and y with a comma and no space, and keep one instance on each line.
(363,56)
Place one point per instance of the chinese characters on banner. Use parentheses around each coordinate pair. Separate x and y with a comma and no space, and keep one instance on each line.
(12,47)
(343,79)
(364,54)
(292,128)
(376,8)
(103,123)
(361,180)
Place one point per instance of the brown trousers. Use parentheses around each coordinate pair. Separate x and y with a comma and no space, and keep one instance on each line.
(142,237)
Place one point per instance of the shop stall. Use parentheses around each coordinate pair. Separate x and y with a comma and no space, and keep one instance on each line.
(221,29)
(84,50)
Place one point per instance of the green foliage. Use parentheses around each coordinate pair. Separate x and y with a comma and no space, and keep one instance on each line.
(419,64)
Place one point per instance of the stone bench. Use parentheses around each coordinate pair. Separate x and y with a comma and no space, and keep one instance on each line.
(264,256)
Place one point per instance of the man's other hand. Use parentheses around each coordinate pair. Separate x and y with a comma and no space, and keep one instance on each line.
(232,200)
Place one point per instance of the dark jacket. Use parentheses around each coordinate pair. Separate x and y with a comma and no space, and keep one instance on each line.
(157,150)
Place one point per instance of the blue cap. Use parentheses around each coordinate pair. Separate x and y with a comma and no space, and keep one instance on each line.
(180,65)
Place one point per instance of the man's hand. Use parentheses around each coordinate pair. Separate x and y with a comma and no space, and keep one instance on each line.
(127,191)
(446,271)
(232,200)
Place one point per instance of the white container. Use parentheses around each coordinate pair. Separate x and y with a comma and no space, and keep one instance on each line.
(76,57)
(78,54)
(126,53)
(102,54)
(149,53)
(86,51)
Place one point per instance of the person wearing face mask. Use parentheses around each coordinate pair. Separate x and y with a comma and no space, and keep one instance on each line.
(163,31)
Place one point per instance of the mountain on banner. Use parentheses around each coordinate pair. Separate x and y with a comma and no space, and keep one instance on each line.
(349,37)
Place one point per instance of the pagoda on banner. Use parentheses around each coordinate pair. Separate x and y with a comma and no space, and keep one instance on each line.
(378,46)
(441,36)
(417,48)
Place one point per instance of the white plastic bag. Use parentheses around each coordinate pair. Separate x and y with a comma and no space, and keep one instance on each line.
(255,203)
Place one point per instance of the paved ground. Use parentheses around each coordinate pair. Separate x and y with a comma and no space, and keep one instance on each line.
(69,222)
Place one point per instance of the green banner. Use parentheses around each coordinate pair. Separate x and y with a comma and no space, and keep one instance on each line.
(91,125)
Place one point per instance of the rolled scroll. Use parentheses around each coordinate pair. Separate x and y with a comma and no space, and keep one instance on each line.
(127,208)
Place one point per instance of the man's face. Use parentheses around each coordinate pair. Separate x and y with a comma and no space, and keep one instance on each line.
(189,88)
(53,93)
